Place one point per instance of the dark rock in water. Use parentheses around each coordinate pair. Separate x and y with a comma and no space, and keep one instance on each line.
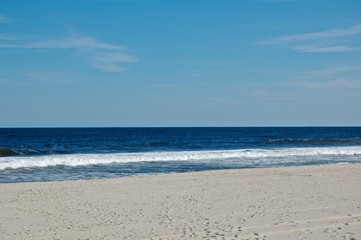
(7,152)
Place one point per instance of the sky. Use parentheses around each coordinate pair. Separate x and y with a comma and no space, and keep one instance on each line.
(154,63)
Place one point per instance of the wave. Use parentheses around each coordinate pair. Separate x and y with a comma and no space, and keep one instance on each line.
(4,152)
(250,155)
(324,141)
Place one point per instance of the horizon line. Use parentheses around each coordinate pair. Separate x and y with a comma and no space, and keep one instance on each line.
(245,126)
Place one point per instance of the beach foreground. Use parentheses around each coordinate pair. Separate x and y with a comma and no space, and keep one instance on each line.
(312,202)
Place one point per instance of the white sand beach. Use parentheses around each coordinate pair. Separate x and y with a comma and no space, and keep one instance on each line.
(309,202)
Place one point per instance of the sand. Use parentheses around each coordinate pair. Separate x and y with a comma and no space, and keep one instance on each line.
(312,202)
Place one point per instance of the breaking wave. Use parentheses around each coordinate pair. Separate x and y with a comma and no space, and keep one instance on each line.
(249,155)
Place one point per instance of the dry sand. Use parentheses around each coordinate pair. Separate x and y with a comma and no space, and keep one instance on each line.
(315,202)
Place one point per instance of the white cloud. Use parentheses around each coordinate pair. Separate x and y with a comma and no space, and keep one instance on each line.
(100,55)
(321,42)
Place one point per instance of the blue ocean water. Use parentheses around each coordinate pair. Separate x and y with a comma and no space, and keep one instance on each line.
(47,154)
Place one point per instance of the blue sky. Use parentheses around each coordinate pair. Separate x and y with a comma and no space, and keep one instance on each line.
(180,63)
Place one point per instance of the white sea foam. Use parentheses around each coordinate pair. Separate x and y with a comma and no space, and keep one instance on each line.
(248,156)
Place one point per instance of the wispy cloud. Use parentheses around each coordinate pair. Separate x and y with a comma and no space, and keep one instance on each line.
(109,61)
(79,43)
(2,80)
(332,78)
(332,49)
(194,75)
(329,72)
(4,19)
(315,35)
(32,78)
(60,78)
(340,83)
(277,1)
(6,37)
(321,42)
(121,0)
(100,55)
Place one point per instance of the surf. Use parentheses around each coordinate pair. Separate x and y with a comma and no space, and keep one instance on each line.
(245,155)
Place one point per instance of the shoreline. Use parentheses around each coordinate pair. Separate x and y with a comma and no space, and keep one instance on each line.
(180,173)
(295,202)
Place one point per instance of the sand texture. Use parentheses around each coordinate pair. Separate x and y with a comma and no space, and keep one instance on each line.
(314,202)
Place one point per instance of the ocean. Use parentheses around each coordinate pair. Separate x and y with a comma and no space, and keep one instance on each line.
(52,154)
